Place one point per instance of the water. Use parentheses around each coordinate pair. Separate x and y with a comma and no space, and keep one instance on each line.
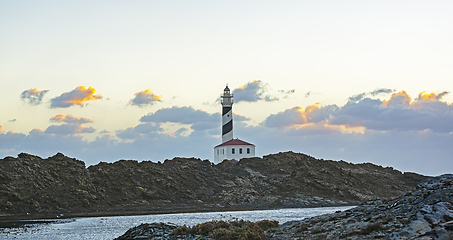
(112,227)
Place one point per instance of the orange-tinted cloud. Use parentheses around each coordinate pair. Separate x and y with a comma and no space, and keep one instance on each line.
(432,96)
(79,96)
(1,129)
(69,118)
(145,98)
(424,99)
(71,125)
(326,128)
(399,98)
(398,113)
(295,116)
(33,96)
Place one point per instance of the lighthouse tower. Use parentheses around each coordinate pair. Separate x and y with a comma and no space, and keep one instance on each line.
(226,99)
(230,148)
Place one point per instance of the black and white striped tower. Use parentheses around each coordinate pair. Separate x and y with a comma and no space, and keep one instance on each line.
(227,115)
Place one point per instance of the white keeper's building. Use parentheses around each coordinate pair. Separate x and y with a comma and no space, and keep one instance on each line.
(230,148)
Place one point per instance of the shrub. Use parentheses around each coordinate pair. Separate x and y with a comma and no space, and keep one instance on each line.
(232,229)
(266,224)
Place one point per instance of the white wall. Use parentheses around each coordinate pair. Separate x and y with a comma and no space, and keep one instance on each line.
(226,152)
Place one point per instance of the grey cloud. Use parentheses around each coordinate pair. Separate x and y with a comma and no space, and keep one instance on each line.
(286,118)
(321,114)
(252,92)
(184,115)
(372,115)
(199,120)
(381,90)
(139,131)
(205,125)
(420,115)
(405,151)
(69,118)
(145,98)
(378,91)
(68,129)
(33,96)
(78,96)
(286,93)
(239,118)
(357,97)
(298,115)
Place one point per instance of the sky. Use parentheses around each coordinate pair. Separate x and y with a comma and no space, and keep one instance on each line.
(359,81)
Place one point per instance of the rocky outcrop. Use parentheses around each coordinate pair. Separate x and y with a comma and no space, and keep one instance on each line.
(155,231)
(219,230)
(425,213)
(63,185)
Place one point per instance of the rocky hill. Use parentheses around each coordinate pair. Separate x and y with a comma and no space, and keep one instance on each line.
(62,185)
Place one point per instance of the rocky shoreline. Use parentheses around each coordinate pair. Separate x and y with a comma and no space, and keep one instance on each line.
(32,187)
(425,213)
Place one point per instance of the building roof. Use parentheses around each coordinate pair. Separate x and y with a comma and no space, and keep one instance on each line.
(236,141)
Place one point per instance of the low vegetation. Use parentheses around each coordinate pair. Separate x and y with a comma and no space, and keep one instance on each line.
(226,230)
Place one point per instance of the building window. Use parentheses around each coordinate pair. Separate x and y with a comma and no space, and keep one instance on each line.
(240,150)
(248,150)
(217,151)
(223,151)
(232,151)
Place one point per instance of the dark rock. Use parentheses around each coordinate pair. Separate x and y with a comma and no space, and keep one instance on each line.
(424,213)
(156,231)
(62,185)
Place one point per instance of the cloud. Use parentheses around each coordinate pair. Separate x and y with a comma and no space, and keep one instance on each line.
(79,96)
(71,125)
(286,93)
(69,118)
(378,91)
(297,116)
(12,120)
(185,115)
(381,90)
(426,152)
(409,135)
(432,96)
(33,96)
(398,113)
(198,119)
(145,98)
(254,91)
(139,131)
(285,118)
(68,129)
(399,98)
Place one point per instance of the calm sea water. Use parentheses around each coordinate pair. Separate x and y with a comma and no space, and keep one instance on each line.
(112,227)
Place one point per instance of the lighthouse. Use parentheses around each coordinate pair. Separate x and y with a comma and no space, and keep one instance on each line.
(230,148)
(226,99)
